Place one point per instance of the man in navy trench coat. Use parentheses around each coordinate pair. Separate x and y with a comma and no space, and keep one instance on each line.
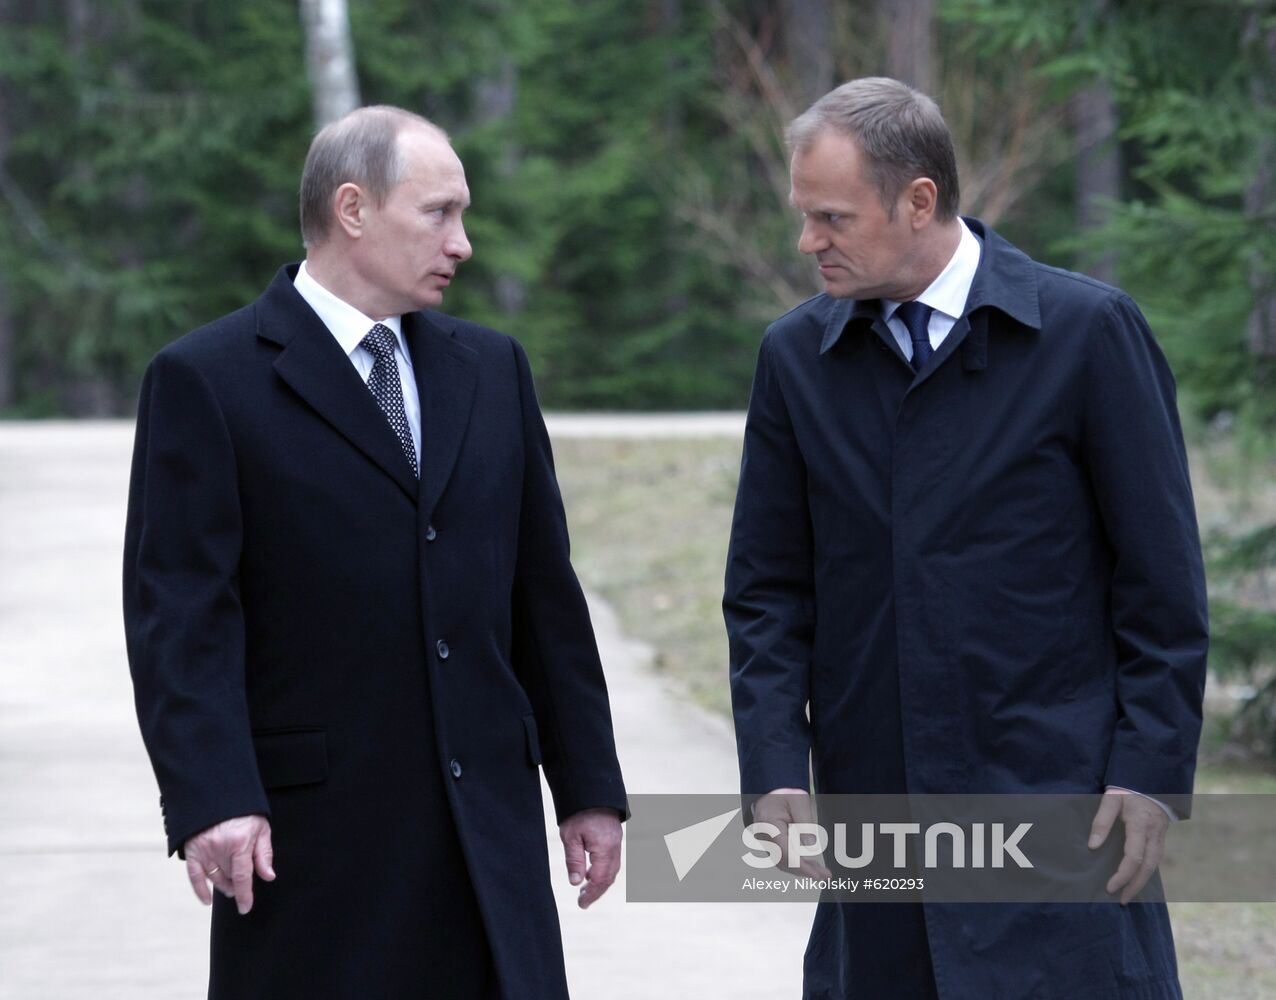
(964,541)
(345,671)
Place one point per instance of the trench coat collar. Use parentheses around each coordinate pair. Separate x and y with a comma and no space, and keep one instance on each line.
(313,364)
(1006,280)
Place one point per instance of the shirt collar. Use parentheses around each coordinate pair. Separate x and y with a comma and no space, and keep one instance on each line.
(947,294)
(345,322)
(1005,279)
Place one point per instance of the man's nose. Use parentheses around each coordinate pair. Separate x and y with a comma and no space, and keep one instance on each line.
(812,239)
(457,244)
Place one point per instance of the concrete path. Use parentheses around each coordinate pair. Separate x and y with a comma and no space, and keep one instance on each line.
(645,425)
(89,905)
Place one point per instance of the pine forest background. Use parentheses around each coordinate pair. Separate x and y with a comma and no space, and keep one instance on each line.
(630,220)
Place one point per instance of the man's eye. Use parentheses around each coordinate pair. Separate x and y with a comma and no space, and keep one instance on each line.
(831,217)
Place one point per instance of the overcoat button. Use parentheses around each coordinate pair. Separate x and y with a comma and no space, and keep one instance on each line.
(430,533)
(456,768)
(444,652)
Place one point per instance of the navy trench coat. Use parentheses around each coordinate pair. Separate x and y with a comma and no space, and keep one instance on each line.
(983,578)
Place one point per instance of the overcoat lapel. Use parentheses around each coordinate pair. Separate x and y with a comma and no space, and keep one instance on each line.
(956,336)
(313,364)
(446,373)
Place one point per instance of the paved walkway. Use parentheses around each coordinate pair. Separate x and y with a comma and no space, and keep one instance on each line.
(646,425)
(89,905)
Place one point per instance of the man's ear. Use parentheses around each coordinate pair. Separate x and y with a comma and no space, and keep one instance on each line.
(349,207)
(921,197)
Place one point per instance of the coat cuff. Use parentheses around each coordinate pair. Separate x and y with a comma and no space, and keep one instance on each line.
(1168,780)
(602,794)
(180,828)
(1173,816)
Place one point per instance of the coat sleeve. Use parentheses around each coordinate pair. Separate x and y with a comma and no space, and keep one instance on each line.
(183,622)
(555,653)
(769,602)
(1134,449)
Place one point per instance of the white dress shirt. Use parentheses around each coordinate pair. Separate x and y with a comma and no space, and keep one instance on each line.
(349,327)
(946,295)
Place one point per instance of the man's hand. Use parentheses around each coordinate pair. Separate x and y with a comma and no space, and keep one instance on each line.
(594,833)
(226,855)
(1145,824)
(782,807)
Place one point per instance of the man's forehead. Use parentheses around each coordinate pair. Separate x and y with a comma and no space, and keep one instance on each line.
(426,142)
(806,191)
(430,159)
(826,172)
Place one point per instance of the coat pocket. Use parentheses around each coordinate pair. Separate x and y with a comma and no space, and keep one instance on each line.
(533,741)
(291,757)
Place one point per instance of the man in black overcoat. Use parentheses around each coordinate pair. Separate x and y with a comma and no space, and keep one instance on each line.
(353,628)
(964,560)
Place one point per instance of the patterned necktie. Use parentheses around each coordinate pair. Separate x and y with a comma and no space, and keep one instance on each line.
(916,317)
(386,388)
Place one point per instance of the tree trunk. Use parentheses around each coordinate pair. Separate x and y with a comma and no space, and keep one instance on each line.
(908,26)
(808,48)
(92,389)
(1259,195)
(1098,167)
(85,391)
(669,14)
(1092,112)
(329,59)
(675,301)
(494,99)
(8,375)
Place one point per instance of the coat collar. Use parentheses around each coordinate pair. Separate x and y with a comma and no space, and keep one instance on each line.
(446,376)
(1006,281)
(313,364)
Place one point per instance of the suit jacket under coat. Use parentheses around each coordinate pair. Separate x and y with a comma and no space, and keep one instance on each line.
(316,636)
(984,578)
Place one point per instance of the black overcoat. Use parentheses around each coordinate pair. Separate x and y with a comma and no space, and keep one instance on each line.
(982,578)
(379,665)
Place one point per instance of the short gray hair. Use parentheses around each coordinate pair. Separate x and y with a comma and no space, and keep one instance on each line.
(899,130)
(359,148)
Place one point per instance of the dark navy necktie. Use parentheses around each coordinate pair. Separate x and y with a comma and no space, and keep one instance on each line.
(387,389)
(916,317)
